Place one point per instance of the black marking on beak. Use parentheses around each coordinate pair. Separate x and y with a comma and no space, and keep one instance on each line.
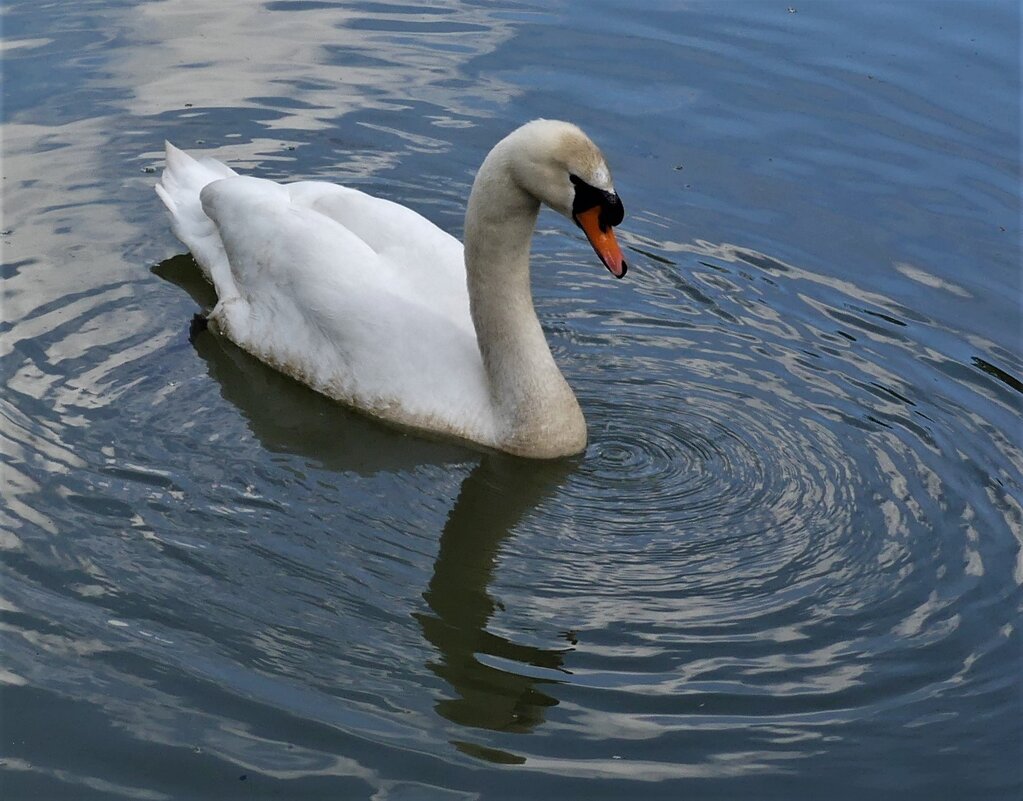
(612,212)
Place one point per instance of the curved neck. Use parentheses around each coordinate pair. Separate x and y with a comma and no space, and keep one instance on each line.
(534,404)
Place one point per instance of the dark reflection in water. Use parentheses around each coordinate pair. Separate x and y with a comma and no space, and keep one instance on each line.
(491,501)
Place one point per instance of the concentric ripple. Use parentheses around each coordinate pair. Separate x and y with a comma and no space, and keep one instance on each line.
(707,466)
(774,498)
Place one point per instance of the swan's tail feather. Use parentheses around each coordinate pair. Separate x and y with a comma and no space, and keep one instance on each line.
(182,181)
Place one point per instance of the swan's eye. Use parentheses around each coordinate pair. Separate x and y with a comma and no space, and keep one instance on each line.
(612,212)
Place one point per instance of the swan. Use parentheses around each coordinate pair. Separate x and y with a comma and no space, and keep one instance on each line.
(369,303)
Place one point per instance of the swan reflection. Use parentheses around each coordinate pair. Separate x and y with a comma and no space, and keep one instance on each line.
(493,497)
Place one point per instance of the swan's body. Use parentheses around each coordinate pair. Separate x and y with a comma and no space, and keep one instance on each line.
(369,303)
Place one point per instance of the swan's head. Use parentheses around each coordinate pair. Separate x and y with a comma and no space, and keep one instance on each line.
(558,164)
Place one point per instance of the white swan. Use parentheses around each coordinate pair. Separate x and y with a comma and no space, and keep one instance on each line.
(371,304)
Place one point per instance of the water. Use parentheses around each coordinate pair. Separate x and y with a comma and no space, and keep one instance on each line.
(789,563)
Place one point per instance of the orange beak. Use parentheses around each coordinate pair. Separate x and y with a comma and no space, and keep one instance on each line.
(603,240)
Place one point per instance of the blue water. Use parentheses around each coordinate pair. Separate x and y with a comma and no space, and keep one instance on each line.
(789,564)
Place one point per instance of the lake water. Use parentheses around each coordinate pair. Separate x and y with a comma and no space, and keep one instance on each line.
(789,563)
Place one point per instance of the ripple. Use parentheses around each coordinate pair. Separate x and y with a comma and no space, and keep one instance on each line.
(784,514)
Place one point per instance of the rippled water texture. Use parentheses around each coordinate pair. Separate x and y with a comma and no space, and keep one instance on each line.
(789,563)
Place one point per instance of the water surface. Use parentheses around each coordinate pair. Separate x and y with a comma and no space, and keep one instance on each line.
(788,564)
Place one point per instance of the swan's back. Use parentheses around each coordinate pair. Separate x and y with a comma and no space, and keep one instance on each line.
(360,298)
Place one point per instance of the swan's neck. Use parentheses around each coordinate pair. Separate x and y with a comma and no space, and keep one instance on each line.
(537,413)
